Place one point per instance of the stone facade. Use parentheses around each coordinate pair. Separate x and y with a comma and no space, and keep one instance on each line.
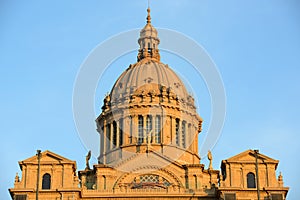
(57,178)
(240,178)
(148,132)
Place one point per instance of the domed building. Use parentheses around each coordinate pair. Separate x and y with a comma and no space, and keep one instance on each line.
(149,110)
(148,131)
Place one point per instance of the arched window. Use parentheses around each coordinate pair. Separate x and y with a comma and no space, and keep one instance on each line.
(157,130)
(251,180)
(46,182)
(114,133)
(183,133)
(140,129)
(149,128)
(177,132)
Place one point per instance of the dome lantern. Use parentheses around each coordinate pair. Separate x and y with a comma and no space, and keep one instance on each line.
(148,41)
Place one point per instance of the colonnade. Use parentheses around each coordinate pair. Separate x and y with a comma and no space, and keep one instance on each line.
(145,129)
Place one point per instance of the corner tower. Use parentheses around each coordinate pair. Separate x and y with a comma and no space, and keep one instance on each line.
(149,109)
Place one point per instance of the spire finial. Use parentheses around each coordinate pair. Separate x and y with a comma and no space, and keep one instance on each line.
(148,17)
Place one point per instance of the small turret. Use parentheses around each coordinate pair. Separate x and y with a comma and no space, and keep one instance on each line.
(148,41)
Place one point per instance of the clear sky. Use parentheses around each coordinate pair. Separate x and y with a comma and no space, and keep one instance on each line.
(255,44)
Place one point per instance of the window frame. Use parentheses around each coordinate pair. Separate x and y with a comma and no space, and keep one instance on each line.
(46,181)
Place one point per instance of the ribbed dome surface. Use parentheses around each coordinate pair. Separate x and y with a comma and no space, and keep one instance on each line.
(148,76)
(148,31)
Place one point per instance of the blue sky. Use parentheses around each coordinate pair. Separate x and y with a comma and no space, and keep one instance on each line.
(255,44)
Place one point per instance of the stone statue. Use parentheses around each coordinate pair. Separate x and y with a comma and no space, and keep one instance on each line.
(209,156)
(87,159)
(17,178)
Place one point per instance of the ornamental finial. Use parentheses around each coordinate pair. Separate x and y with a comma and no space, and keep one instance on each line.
(148,17)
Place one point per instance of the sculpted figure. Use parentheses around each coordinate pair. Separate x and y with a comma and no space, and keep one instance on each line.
(209,156)
(87,159)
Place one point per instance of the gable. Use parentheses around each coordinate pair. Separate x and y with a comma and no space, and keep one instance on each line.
(47,157)
(249,157)
(137,161)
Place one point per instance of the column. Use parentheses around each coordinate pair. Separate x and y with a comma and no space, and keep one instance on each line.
(144,128)
(163,128)
(134,133)
(126,130)
(195,138)
(104,139)
(188,136)
(173,130)
(153,128)
(98,178)
(179,133)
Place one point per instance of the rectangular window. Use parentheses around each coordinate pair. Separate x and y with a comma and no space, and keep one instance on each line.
(114,133)
(157,130)
(140,129)
(183,133)
(131,130)
(177,131)
(276,197)
(229,196)
(20,197)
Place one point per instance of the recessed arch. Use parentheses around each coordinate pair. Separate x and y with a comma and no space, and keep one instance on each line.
(155,170)
(251,180)
(46,182)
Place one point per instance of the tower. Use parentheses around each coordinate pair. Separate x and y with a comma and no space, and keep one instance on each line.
(147,109)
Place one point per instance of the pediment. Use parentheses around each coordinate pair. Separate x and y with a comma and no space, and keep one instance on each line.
(48,157)
(249,157)
(140,160)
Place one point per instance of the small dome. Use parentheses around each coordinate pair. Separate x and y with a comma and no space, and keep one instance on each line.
(149,76)
(148,31)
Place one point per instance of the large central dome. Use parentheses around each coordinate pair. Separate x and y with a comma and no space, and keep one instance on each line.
(149,76)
